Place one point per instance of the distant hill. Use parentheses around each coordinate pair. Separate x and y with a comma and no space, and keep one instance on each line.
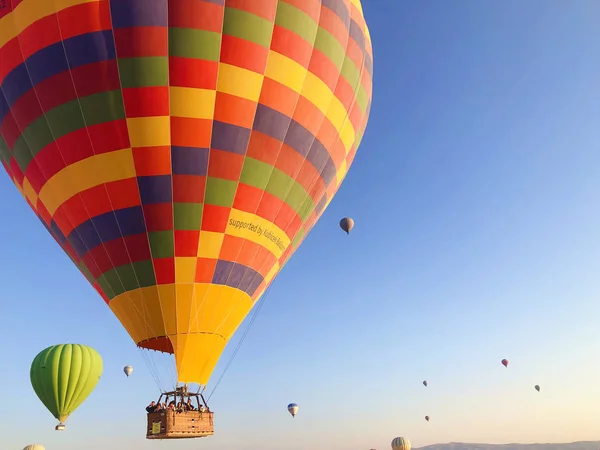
(588,445)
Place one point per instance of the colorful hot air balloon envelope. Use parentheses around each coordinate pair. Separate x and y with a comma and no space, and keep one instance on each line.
(63,376)
(128,370)
(401,443)
(427,418)
(180,151)
(537,387)
(505,362)
(425,383)
(34,447)
(293,409)
(347,224)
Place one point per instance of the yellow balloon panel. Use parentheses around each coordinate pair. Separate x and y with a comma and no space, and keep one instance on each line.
(193,321)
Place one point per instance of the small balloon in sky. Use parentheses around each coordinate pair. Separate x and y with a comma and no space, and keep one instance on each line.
(505,362)
(347,224)
(293,409)
(128,370)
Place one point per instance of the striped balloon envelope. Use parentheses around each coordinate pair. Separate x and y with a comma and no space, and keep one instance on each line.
(401,443)
(179,151)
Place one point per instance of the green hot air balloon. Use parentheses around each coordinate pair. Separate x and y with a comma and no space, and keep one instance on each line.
(63,376)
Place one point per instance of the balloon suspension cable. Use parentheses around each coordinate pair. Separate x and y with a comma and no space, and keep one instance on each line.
(165,378)
(151,366)
(243,338)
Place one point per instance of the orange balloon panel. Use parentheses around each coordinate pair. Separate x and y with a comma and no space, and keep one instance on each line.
(180,150)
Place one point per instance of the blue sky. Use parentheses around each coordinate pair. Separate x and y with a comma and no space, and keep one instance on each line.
(475,194)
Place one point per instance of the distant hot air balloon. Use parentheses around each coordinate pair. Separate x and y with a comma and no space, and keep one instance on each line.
(35,447)
(425,383)
(401,443)
(128,370)
(293,409)
(347,224)
(63,376)
(537,387)
(180,151)
(427,418)
(505,362)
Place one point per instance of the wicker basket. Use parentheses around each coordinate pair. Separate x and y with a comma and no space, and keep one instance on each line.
(179,425)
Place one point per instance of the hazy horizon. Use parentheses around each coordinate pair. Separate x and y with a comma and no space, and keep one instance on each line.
(579,445)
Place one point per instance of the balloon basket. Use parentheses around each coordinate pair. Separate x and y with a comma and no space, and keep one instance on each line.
(180,425)
(173,424)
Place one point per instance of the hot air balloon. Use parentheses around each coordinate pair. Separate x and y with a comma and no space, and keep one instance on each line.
(128,370)
(63,376)
(35,447)
(427,418)
(537,387)
(425,383)
(293,409)
(180,152)
(347,224)
(505,362)
(401,443)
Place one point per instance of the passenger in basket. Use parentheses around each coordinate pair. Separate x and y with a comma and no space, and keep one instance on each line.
(152,407)
(189,405)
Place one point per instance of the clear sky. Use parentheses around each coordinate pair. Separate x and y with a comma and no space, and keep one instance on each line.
(476,195)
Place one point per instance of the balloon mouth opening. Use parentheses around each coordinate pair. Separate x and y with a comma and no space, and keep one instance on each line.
(160,344)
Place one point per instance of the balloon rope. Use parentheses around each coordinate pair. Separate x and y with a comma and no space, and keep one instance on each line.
(243,338)
(151,367)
